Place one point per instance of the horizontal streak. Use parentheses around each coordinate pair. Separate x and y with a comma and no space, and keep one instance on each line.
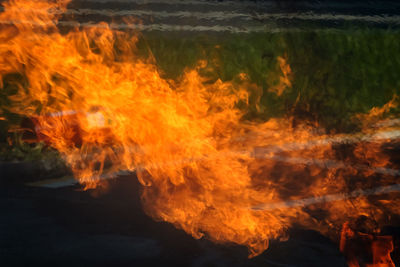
(220,15)
(330,164)
(389,135)
(327,164)
(268,3)
(152,27)
(163,27)
(328,198)
(186,2)
(71,181)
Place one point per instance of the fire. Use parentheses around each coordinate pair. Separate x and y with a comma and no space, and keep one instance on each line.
(366,249)
(284,80)
(203,168)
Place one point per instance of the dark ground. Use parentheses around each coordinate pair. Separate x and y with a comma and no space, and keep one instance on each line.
(72,227)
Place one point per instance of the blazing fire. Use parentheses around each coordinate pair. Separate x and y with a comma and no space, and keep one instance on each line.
(202,167)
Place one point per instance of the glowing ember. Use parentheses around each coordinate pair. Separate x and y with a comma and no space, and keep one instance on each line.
(366,249)
(95,102)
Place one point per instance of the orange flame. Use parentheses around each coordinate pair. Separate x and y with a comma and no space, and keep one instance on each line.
(359,247)
(284,80)
(202,167)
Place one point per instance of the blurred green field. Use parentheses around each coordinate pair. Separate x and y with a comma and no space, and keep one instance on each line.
(335,74)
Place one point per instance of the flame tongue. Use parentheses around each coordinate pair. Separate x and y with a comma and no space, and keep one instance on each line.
(94,101)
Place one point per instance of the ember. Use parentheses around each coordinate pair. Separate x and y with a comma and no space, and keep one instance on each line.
(365,248)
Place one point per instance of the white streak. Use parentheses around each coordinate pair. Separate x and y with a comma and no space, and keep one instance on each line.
(225,15)
(328,198)
(152,27)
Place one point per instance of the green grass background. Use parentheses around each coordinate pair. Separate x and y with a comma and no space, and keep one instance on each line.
(335,73)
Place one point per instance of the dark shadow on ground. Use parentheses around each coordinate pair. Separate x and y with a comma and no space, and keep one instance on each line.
(71,227)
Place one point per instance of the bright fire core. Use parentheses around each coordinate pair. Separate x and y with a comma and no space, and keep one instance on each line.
(198,160)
